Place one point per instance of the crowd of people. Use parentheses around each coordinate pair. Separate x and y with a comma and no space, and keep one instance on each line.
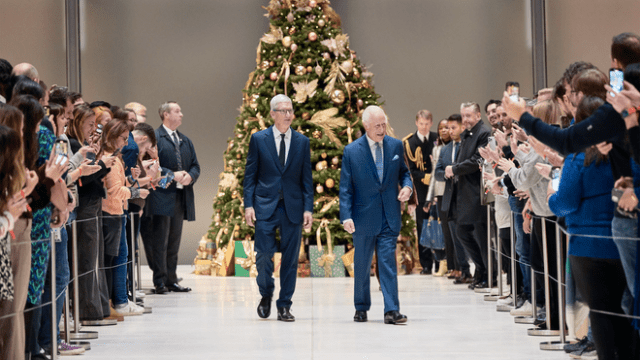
(569,156)
(64,160)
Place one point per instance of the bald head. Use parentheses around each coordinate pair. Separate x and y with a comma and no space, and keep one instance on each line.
(27,70)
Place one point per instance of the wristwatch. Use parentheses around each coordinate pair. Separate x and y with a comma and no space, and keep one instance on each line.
(627,112)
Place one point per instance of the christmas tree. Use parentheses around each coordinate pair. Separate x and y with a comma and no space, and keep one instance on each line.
(306,56)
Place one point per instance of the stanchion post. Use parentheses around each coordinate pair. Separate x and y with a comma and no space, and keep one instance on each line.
(66,316)
(489,255)
(558,345)
(133,257)
(77,334)
(514,279)
(54,297)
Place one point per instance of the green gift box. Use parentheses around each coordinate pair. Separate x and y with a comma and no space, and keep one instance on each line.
(245,259)
(336,269)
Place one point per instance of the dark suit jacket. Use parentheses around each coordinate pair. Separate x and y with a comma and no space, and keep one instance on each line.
(266,181)
(420,177)
(363,197)
(163,201)
(467,169)
(449,188)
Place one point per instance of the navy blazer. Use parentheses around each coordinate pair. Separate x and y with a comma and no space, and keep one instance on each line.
(443,161)
(163,201)
(363,197)
(266,181)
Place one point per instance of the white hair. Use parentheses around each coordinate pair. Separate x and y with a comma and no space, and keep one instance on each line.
(373,110)
(280,98)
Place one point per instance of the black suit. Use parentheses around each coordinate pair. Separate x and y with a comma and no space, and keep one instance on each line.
(417,154)
(470,215)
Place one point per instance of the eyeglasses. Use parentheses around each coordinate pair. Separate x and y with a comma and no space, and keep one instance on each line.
(124,138)
(285,111)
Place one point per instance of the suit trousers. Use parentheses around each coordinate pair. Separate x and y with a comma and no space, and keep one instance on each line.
(474,240)
(384,243)
(446,233)
(266,246)
(161,236)
(426,257)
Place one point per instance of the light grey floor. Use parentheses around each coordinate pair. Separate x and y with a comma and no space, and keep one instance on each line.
(218,320)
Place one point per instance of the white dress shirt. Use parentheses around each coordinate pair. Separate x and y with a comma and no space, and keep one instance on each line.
(421,137)
(453,152)
(372,147)
(170,132)
(287,141)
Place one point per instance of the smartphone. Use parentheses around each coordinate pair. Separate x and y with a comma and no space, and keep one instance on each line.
(61,147)
(616,80)
(555,178)
(514,92)
(91,156)
(99,129)
(616,194)
(166,181)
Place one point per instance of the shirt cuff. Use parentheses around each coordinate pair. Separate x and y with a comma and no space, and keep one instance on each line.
(344,222)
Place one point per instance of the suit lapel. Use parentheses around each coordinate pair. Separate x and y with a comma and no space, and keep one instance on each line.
(293,146)
(271,146)
(370,161)
(387,157)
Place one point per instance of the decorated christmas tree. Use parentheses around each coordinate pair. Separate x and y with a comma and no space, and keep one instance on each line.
(306,56)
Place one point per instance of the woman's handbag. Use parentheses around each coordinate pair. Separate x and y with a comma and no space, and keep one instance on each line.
(432,236)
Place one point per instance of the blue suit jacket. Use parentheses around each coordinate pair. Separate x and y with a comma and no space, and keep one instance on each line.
(266,181)
(363,197)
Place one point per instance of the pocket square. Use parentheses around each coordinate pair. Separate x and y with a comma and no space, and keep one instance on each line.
(395,158)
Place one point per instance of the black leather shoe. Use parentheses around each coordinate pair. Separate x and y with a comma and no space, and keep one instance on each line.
(161,289)
(264,309)
(464,279)
(360,316)
(177,288)
(425,272)
(481,285)
(285,315)
(394,317)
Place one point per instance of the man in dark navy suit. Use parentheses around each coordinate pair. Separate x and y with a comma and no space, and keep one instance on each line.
(374,180)
(166,209)
(278,194)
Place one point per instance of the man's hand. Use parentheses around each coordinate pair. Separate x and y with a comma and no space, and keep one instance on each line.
(524,147)
(628,200)
(506,165)
(349,226)
(519,133)
(144,193)
(501,138)
(448,172)
(544,170)
(87,169)
(405,194)
(250,216)
(521,194)
(604,148)
(495,187)
(186,179)
(308,220)
(624,182)
(153,152)
(514,109)
(554,158)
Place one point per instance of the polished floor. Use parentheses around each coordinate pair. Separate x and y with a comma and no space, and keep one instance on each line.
(218,320)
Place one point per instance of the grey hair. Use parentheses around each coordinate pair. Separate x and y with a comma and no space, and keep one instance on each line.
(371,110)
(166,107)
(475,106)
(280,98)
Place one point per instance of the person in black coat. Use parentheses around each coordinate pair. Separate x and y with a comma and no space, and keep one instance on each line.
(161,224)
(418,147)
(471,216)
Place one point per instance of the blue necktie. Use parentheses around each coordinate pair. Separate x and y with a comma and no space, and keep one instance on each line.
(456,151)
(379,160)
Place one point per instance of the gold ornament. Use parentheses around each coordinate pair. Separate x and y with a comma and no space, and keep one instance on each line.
(326,56)
(304,90)
(239,136)
(321,23)
(329,183)
(337,96)
(356,73)
(334,166)
(321,165)
(365,83)
(300,70)
(309,60)
(216,218)
(309,69)
(253,103)
(238,156)
(313,36)
(273,76)
(264,65)
(306,116)
(312,3)
(292,30)
(272,63)
(253,131)
(317,134)
(236,234)
(323,155)
(226,231)
(235,194)
(319,189)
(360,103)
(347,66)
(335,160)
(246,124)
(286,41)
(294,47)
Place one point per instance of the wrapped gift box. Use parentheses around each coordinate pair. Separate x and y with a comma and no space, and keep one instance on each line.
(203,266)
(334,267)
(228,264)
(245,259)
(304,270)
(347,260)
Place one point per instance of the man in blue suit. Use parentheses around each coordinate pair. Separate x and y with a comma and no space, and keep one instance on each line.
(373,171)
(278,194)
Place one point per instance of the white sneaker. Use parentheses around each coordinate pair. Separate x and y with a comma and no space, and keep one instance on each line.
(66,349)
(61,324)
(525,310)
(140,294)
(129,309)
(505,300)
(591,355)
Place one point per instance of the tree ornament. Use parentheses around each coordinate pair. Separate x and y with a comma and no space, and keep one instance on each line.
(329,183)
(365,83)
(264,65)
(238,156)
(306,116)
(221,194)
(312,3)
(253,103)
(236,234)
(273,76)
(239,136)
(272,63)
(292,30)
(309,69)
(337,96)
(360,103)
(321,22)
(309,60)
(323,155)
(347,66)
(246,124)
(318,70)
(319,190)
(294,47)
(286,41)
(226,231)
(317,134)
(356,73)
(326,56)
(335,160)
(313,36)
(253,131)
(290,17)
(321,165)
(216,218)
(300,70)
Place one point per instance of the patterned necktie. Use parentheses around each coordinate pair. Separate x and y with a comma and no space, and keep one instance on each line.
(456,151)
(379,160)
(176,141)
(281,156)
